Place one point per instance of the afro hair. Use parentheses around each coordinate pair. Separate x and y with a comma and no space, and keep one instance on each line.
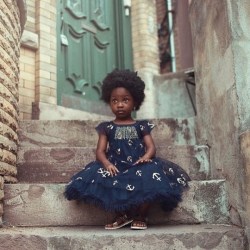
(126,79)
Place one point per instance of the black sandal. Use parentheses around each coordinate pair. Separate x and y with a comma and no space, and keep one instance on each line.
(119,222)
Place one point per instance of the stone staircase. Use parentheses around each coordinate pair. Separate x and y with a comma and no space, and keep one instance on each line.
(36,215)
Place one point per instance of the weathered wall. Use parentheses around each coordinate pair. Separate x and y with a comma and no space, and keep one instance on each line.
(221,45)
(174,96)
(12,19)
(239,17)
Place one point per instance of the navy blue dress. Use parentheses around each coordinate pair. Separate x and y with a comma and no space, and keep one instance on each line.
(159,180)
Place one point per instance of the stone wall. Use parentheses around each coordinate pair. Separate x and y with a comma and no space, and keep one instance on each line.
(222,44)
(12,19)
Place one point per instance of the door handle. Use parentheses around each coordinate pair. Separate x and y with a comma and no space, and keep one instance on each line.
(127,6)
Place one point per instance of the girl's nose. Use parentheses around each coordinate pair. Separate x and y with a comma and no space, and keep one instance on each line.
(120,104)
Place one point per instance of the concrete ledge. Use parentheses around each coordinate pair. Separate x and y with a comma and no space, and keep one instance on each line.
(81,133)
(45,205)
(58,164)
(200,237)
(45,111)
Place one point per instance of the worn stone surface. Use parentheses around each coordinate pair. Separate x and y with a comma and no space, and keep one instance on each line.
(45,205)
(1,194)
(1,182)
(77,133)
(245,152)
(45,111)
(57,165)
(222,90)
(195,237)
(1,208)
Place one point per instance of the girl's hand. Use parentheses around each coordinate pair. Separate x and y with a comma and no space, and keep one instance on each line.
(112,169)
(142,160)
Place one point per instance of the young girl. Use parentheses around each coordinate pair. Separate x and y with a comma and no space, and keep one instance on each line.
(126,176)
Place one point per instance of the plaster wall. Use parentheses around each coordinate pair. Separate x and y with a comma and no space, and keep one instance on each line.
(217,98)
(239,18)
(174,96)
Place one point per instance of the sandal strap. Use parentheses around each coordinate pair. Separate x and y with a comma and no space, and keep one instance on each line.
(121,219)
(119,222)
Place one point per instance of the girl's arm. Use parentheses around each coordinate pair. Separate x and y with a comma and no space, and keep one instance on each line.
(101,154)
(150,149)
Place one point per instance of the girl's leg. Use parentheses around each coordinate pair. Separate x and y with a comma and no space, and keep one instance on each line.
(143,210)
(140,221)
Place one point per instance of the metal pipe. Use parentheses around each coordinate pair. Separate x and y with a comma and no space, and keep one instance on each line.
(171,34)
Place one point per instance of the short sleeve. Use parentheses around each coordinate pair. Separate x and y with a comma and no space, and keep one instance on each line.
(146,127)
(102,128)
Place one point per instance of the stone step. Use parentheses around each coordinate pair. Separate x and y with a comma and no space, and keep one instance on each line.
(181,237)
(57,165)
(45,205)
(73,133)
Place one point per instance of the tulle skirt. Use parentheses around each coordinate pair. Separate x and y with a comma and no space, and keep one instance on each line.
(157,181)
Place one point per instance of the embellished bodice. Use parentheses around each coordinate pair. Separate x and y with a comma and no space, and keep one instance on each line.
(126,143)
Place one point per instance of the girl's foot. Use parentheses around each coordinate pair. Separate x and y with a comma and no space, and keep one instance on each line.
(139,224)
(119,222)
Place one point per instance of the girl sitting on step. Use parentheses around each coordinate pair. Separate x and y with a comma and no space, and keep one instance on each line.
(127,176)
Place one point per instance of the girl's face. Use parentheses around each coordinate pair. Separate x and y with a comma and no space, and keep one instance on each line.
(121,103)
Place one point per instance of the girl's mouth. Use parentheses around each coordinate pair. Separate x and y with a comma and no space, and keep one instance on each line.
(120,112)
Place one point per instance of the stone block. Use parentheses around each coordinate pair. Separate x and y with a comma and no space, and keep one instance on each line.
(1,182)
(245,152)
(200,237)
(82,133)
(45,205)
(29,39)
(1,195)
(7,169)
(57,165)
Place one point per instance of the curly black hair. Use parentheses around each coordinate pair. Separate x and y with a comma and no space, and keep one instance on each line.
(127,79)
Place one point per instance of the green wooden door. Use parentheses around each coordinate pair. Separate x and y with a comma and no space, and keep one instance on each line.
(94,37)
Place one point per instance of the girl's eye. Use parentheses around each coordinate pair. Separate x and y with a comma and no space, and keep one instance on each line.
(114,101)
(125,100)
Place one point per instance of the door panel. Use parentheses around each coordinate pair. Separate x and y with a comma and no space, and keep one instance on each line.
(89,33)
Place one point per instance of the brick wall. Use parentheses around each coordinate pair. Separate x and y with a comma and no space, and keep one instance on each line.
(27,63)
(38,57)
(145,50)
(10,32)
(144,35)
(46,54)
